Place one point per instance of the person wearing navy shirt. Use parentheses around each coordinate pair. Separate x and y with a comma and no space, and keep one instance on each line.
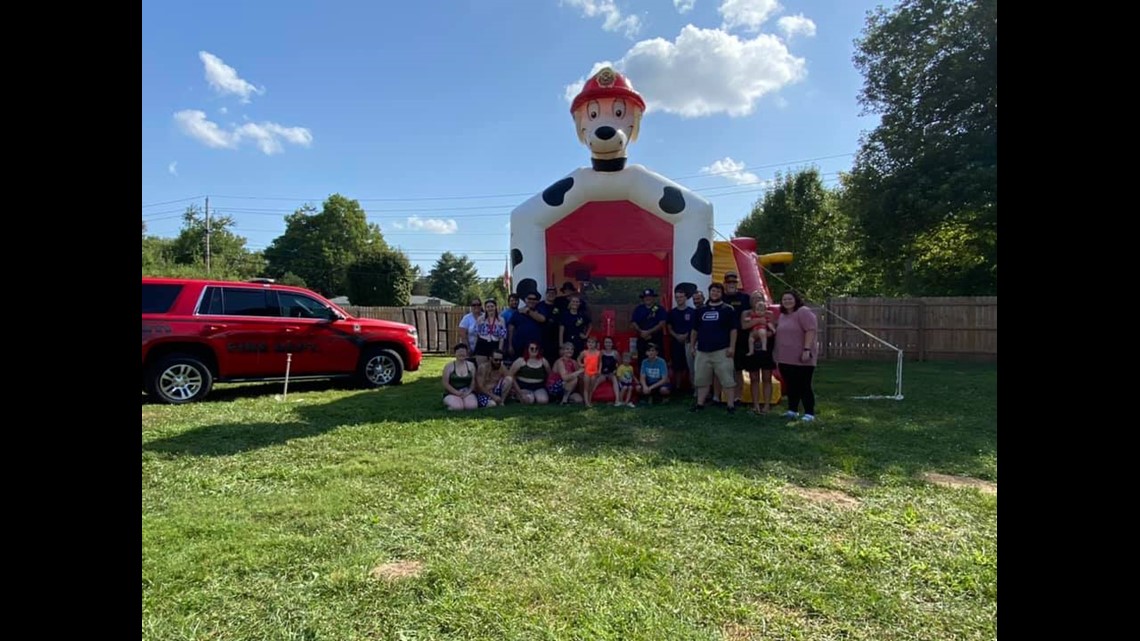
(548,308)
(525,325)
(568,290)
(740,303)
(680,324)
(575,325)
(714,344)
(648,321)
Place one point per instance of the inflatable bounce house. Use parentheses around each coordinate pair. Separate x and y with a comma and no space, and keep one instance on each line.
(615,220)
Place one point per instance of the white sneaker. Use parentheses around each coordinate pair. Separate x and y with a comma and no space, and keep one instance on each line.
(790,414)
(807,417)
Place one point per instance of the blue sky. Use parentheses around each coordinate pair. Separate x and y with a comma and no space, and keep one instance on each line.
(440,116)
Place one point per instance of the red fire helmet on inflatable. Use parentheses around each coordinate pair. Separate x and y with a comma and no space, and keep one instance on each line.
(607,83)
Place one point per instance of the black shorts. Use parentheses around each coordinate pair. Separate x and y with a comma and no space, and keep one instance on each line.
(485,348)
(677,353)
(531,387)
(759,360)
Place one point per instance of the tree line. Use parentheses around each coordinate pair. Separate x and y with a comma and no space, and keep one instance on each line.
(915,216)
(917,213)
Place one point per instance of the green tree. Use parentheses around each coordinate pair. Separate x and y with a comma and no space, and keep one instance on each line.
(923,188)
(452,277)
(801,215)
(380,278)
(289,278)
(185,255)
(320,247)
(421,284)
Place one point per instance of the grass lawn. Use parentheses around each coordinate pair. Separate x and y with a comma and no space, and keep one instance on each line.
(344,514)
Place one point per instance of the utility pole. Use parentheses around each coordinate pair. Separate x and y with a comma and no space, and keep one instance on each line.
(207,235)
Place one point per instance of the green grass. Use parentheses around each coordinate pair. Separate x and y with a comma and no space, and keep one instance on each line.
(263,519)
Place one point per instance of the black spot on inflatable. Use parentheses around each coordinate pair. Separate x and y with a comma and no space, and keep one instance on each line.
(516,258)
(526,286)
(688,288)
(702,258)
(555,194)
(672,202)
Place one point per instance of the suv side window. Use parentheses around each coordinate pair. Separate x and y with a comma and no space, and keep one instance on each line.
(300,306)
(157,298)
(242,301)
(237,301)
(211,302)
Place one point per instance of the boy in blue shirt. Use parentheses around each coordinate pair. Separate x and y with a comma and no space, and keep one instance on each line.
(654,376)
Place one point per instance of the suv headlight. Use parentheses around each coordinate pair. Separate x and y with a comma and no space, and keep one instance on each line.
(412,331)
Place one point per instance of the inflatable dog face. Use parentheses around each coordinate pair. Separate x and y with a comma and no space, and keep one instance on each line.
(607,126)
(607,114)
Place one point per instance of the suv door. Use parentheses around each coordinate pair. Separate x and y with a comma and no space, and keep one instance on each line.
(316,338)
(237,321)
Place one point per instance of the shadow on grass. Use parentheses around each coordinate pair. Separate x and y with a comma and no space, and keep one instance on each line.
(946,423)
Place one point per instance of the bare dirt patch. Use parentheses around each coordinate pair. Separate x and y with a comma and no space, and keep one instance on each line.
(737,632)
(854,482)
(397,570)
(946,480)
(827,497)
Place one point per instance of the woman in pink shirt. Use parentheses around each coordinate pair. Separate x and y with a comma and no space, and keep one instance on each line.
(796,352)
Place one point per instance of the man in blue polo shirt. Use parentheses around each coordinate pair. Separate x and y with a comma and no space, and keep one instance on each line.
(714,343)
(649,322)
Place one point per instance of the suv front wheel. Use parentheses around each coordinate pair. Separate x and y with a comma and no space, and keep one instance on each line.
(380,367)
(178,379)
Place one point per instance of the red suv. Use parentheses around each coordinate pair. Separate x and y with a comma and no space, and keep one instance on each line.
(199,332)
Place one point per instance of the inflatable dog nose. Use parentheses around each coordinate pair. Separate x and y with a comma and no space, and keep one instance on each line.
(605,133)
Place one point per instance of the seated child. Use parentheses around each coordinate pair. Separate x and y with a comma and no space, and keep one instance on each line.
(654,375)
(624,375)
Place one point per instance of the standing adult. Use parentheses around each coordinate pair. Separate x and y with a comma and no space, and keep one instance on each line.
(760,363)
(468,325)
(680,326)
(512,307)
(797,353)
(525,326)
(575,325)
(713,341)
(549,309)
(490,331)
(740,303)
(566,292)
(648,321)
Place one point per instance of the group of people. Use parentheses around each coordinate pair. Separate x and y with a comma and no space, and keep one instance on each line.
(713,342)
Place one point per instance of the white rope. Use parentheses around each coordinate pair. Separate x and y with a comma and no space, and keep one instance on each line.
(898,395)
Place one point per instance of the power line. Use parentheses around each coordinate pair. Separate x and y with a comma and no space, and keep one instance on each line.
(513,195)
(170,202)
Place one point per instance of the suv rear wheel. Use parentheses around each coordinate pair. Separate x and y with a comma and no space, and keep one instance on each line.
(178,379)
(380,367)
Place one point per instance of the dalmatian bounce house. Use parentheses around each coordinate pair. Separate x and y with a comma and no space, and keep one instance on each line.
(614,220)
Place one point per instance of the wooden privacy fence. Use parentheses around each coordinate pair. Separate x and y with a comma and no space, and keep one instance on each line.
(945,328)
(935,328)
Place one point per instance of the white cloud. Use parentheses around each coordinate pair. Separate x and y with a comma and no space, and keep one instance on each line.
(706,71)
(224,78)
(731,171)
(684,6)
(749,14)
(173,168)
(614,20)
(432,225)
(268,136)
(574,88)
(223,111)
(796,25)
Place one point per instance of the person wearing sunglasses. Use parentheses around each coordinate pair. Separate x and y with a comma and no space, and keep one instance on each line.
(525,326)
(493,381)
(530,373)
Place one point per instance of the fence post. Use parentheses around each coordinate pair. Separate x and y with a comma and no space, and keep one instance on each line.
(827,329)
(921,330)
